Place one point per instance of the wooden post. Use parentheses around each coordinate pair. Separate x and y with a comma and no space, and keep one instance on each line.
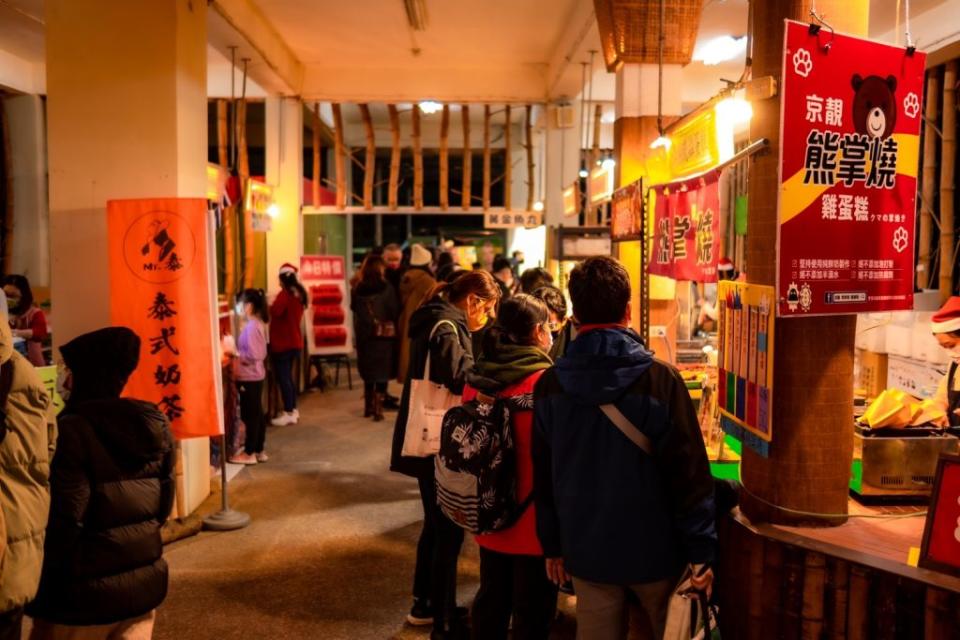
(243,169)
(948,153)
(445,158)
(394,184)
(338,153)
(316,155)
(370,160)
(858,612)
(840,586)
(528,127)
(486,157)
(230,214)
(814,584)
(417,160)
(929,190)
(507,161)
(467,158)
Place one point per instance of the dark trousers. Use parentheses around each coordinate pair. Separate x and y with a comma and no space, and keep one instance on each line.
(517,586)
(435,577)
(283,369)
(11,623)
(371,387)
(251,412)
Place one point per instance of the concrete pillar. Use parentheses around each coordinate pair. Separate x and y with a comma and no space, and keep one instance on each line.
(809,464)
(562,164)
(126,118)
(284,153)
(30,253)
(633,131)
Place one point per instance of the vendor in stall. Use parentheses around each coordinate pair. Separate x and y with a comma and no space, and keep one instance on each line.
(27,320)
(946,329)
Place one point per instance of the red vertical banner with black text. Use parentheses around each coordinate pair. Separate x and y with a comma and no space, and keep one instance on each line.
(161,287)
(686,230)
(849,153)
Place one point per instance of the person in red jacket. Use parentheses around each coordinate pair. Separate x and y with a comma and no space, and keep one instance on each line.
(286,339)
(513,577)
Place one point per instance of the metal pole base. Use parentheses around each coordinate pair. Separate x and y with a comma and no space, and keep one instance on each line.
(226,520)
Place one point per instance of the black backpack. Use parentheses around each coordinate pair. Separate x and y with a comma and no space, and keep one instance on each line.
(476,466)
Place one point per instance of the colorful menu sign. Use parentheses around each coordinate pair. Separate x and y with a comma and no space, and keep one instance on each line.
(686,231)
(162,287)
(325,279)
(626,212)
(745,387)
(850,137)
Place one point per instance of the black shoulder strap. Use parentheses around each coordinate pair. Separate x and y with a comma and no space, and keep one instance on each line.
(6,383)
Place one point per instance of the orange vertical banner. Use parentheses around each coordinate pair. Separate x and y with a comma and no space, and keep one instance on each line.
(161,288)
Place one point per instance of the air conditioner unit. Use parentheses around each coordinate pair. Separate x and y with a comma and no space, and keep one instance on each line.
(563,116)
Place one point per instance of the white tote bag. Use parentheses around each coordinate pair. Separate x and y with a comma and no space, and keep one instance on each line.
(428,403)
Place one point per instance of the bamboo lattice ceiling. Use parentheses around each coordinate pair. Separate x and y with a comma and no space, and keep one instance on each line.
(629,30)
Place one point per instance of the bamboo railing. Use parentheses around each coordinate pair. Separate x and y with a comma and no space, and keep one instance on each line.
(417,159)
(230,214)
(467,158)
(445,158)
(243,169)
(528,144)
(370,159)
(316,155)
(486,157)
(948,153)
(338,153)
(394,183)
(929,188)
(507,162)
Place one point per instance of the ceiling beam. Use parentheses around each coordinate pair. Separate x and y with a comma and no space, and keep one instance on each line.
(273,64)
(568,51)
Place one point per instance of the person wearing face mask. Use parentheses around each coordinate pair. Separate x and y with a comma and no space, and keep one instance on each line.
(946,329)
(440,330)
(562,327)
(26,318)
(513,580)
(250,373)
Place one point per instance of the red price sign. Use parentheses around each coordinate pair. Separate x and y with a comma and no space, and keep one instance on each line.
(941,535)
(850,138)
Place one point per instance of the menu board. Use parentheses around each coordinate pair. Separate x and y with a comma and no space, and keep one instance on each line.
(327,314)
(626,212)
(745,389)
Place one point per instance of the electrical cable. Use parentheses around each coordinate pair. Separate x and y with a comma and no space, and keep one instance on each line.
(660,71)
(829,516)
(906,23)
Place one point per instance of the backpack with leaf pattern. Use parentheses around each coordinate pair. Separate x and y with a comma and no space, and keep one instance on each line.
(476,466)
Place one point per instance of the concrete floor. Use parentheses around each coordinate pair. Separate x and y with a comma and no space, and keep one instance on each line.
(330,551)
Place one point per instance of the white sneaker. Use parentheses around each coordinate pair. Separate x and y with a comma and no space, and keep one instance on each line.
(243,458)
(283,420)
(296,415)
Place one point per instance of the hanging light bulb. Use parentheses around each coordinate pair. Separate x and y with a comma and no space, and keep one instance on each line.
(661,141)
(608,163)
(430,106)
(538,205)
(583,171)
(273,210)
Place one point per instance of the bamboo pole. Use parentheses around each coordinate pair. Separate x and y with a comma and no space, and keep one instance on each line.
(230,214)
(370,160)
(445,158)
(858,613)
(243,168)
(467,158)
(840,585)
(937,614)
(528,127)
(417,160)
(316,155)
(338,157)
(507,162)
(814,583)
(593,212)
(394,184)
(929,190)
(948,153)
(486,157)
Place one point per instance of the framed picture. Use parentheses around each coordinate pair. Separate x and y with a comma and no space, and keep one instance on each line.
(940,550)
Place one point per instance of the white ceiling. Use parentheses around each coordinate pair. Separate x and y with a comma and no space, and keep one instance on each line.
(21,29)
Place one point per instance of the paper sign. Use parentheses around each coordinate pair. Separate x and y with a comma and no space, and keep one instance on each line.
(328,328)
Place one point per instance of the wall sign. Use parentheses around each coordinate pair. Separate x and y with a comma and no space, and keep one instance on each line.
(626,212)
(572,199)
(601,185)
(745,386)
(327,316)
(850,132)
(512,219)
(259,198)
(941,533)
(686,231)
(161,287)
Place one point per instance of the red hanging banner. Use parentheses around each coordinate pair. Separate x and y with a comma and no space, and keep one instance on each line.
(850,138)
(161,288)
(686,230)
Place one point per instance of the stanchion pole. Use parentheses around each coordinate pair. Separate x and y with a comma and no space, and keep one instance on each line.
(226,519)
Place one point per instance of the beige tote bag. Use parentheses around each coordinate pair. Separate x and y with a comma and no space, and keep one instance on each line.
(428,404)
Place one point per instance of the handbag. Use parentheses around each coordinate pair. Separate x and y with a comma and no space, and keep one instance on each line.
(428,404)
(690,618)
(381,328)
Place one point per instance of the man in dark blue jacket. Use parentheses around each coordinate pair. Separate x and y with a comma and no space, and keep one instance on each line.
(616,518)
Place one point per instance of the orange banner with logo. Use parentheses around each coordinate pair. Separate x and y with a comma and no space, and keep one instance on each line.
(161,288)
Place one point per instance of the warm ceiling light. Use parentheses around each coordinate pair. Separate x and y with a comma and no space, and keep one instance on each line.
(721,49)
(430,106)
(273,210)
(734,111)
(538,205)
(661,141)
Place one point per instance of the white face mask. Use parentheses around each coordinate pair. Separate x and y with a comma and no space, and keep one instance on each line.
(549,340)
(63,375)
(954,354)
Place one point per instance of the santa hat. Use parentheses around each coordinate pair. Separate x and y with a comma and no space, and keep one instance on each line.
(420,256)
(947,320)
(286,268)
(725,264)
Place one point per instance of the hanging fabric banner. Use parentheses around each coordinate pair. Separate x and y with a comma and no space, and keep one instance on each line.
(161,287)
(686,230)
(849,151)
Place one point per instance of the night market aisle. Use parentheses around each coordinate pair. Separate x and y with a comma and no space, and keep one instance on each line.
(330,551)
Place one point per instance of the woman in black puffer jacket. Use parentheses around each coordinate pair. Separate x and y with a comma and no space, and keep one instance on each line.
(111,491)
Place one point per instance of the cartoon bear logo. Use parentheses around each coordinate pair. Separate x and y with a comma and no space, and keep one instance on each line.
(874,105)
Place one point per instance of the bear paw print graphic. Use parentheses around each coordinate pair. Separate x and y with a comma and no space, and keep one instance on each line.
(802,62)
(900,239)
(911,105)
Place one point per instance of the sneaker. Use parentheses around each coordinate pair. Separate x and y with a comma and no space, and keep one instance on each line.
(283,420)
(262,456)
(243,458)
(296,415)
(421,614)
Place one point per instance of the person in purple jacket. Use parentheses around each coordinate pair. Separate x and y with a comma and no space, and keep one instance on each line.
(250,373)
